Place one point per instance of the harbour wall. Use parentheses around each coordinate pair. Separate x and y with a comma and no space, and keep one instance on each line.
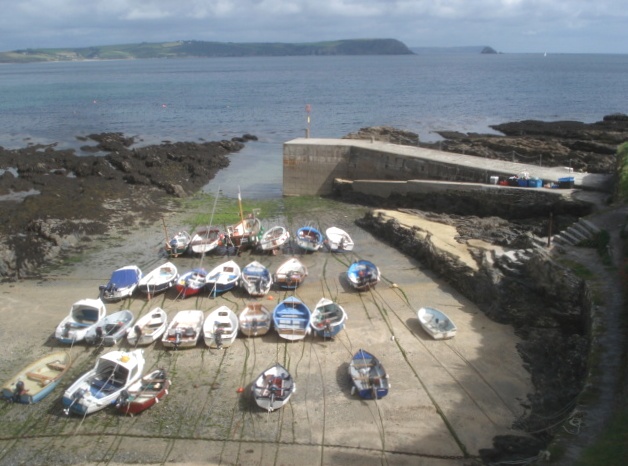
(310,166)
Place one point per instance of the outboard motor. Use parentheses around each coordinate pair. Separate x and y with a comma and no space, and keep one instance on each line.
(123,398)
(66,329)
(19,391)
(218,338)
(99,332)
(177,337)
(138,331)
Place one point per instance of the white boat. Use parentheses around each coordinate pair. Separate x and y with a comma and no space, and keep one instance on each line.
(290,274)
(148,328)
(178,244)
(436,323)
(328,318)
(220,328)
(256,279)
(273,239)
(338,240)
(255,320)
(205,240)
(245,233)
(101,386)
(273,388)
(222,278)
(110,329)
(370,379)
(84,314)
(122,284)
(159,279)
(184,330)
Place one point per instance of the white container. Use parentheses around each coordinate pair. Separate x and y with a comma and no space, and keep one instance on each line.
(494,179)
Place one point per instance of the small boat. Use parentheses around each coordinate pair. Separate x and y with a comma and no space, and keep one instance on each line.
(273,239)
(184,330)
(436,323)
(290,274)
(328,318)
(84,314)
(110,329)
(309,238)
(255,320)
(191,282)
(256,279)
(273,388)
(144,393)
(38,379)
(148,328)
(178,244)
(245,233)
(363,275)
(222,278)
(159,279)
(101,386)
(122,283)
(220,328)
(205,240)
(338,240)
(291,318)
(369,378)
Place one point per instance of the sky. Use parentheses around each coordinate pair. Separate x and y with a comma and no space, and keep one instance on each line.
(509,26)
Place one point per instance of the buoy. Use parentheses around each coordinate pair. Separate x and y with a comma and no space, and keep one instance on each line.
(240,390)
(270,298)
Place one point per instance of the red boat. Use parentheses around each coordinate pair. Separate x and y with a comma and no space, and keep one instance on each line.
(144,393)
(191,283)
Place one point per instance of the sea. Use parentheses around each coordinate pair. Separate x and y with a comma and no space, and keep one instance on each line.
(278,99)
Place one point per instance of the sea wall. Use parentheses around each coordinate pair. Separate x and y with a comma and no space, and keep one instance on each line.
(311,165)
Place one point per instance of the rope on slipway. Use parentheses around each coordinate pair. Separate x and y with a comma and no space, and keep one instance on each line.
(542,455)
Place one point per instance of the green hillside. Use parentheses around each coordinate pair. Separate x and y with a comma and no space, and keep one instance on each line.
(193,48)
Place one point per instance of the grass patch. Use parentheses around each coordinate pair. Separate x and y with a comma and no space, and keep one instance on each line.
(612,446)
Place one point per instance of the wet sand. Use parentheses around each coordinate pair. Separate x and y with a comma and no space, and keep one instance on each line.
(448,399)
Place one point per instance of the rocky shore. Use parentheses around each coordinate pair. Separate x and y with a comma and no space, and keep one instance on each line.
(52,201)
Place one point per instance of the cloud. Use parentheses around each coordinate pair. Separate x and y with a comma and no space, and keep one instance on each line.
(508,25)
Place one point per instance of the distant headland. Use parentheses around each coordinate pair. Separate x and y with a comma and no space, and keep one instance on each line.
(193,48)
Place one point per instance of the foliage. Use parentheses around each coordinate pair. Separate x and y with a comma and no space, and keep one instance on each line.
(622,161)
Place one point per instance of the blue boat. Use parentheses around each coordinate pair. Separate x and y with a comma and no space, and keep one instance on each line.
(328,318)
(369,378)
(309,239)
(37,380)
(292,319)
(363,275)
(222,278)
(122,284)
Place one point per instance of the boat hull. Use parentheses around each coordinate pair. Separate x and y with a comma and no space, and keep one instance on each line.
(291,319)
(273,388)
(255,320)
(328,318)
(363,275)
(184,330)
(369,378)
(309,239)
(436,323)
(145,393)
(148,328)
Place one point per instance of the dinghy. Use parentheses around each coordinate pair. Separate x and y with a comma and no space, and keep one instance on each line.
(255,320)
(274,239)
(273,388)
(144,393)
(178,244)
(291,319)
(184,330)
(122,284)
(369,378)
(148,328)
(363,275)
(206,240)
(338,240)
(34,382)
(309,238)
(222,278)
(290,274)
(220,328)
(436,323)
(191,283)
(159,279)
(84,314)
(101,386)
(256,279)
(328,318)
(110,329)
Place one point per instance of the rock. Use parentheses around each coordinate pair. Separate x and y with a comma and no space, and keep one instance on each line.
(386,134)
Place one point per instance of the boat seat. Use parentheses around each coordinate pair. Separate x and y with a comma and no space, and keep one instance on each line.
(56,365)
(41,378)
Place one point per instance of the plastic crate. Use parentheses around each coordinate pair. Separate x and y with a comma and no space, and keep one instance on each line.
(522,182)
(535,183)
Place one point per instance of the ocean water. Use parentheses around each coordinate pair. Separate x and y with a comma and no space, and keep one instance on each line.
(219,98)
